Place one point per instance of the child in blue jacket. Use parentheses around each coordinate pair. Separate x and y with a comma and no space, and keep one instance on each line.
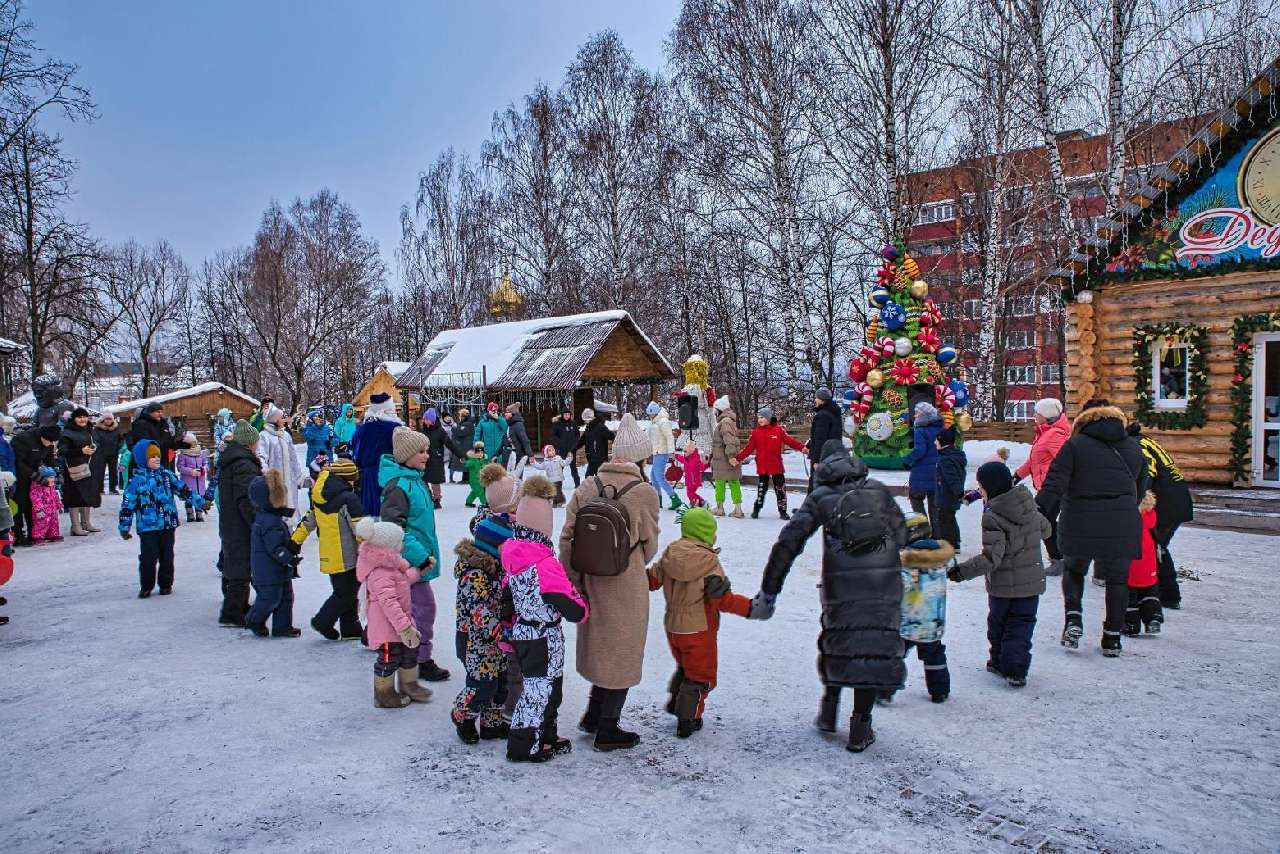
(952,465)
(273,558)
(149,497)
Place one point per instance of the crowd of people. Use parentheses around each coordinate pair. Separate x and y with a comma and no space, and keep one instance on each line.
(1105,495)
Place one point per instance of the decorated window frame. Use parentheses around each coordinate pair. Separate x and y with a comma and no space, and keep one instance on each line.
(1242,331)
(1171,367)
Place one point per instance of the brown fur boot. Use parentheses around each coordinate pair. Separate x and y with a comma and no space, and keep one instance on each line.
(409,685)
(385,695)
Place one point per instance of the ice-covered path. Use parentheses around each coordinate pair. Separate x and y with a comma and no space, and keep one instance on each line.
(137,725)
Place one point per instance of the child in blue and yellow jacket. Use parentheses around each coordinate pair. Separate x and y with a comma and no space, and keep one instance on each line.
(149,504)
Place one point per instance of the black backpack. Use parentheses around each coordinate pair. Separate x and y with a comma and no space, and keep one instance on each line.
(856,522)
(602,533)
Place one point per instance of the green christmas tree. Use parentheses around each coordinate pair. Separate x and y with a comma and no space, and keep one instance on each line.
(905,361)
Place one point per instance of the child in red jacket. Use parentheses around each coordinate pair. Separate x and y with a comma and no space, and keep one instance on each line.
(767,439)
(1144,609)
(696,590)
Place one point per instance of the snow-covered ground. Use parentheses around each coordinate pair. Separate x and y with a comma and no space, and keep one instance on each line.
(141,725)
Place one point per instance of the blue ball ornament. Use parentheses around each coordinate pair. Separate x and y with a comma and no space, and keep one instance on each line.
(946,354)
(850,396)
(893,316)
(961,392)
(879,298)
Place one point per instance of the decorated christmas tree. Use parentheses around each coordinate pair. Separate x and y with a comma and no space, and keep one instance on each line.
(904,362)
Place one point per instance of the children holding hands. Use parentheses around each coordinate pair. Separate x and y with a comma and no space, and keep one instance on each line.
(387,577)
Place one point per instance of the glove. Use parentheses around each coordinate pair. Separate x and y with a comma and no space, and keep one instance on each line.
(411,637)
(762,606)
(125,535)
(1017,479)
(972,496)
(428,564)
(954,574)
(7,551)
(715,586)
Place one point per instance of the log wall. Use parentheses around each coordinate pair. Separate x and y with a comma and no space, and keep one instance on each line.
(1100,353)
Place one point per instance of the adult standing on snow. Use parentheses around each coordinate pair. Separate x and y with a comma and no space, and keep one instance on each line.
(106,444)
(863,529)
(344,428)
(238,466)
(1173,508)
(491,429)
(595,440)
(726,441)
(372,440)
(564,438)
(610,652)
(32,449)
(275,451)
(518,440)
(827,425)
(318,435)
(151,425)
(1052,432)
(1093,488)
(438,439)
(79,493)
(463,429)
(663,440)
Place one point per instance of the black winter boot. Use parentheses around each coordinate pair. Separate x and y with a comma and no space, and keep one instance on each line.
(782,504)
(1072,631)
(429,671)
(673,688)
(591,717)
(467,730)
(828,707)
(191,514)
(687,700)
(1111,644)
(329,632)
(610,737)
(552,741)
(489,732)
(686,728)
(861,735)
(520,746)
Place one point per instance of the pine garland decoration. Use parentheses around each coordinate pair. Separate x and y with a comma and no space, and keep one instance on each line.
(1194,415)
(1242,331)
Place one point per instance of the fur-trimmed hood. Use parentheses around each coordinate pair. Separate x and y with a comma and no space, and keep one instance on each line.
(1101,422)
(928,558)
(470,556)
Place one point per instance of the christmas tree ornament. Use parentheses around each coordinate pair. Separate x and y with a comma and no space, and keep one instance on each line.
(964,421)
(893,316)
(911,268)
(948,419)
(884,278)
(873,328)
(946,354)
(929,314)
(919,289)
(850,396)
(889,253)
(858,369)
(902,346)
(696,372)
(904,372)
(860,409)
(863,391)
(884,345)
(880,426)
(875,378)
(944,397)
(892,397)
(901,281)
(928,340)
(878,298)
(961,391)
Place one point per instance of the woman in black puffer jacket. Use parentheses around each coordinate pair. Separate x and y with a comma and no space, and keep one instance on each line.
(1093,487)
(863,529)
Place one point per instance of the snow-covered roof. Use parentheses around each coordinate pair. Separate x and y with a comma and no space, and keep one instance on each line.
(7,346)
(547,353)
(23,407)
(131,405)
(393,368)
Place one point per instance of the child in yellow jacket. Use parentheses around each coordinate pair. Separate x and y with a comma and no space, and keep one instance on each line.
(335,509)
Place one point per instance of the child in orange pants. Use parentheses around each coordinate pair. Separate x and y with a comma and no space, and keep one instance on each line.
(697,591)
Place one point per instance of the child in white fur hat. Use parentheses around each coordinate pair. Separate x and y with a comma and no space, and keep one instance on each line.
(386,578)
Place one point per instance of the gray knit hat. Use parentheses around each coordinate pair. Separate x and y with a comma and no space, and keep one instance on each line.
(631,443)
(406,442)
(244,433)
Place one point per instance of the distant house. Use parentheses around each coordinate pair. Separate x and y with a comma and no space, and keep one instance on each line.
(191,408)
(545,364)
(12,355)
(383,381)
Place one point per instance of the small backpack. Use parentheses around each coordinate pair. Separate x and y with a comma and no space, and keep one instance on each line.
(856,522)
(602,533)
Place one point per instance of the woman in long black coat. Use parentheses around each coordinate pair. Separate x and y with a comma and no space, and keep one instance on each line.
(859,647)
(461,432)
(106,440)
(595,440)
(80,496)
(238,465)
(438,439)
(1093,487)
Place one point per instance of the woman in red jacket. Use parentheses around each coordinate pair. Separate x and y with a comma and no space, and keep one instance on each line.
(767,439)
(1052,432)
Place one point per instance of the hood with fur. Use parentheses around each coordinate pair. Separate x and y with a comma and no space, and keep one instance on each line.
(1105,423)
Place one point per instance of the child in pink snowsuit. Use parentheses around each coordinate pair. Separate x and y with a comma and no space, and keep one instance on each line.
(694,467)
(193,468)
(46,504)
(386,578)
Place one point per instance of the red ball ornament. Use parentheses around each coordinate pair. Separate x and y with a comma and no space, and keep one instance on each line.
(904,372)
(858,370)
(1237,378)
(884,278)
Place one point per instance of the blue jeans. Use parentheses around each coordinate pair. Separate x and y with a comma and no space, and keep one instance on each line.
(274,600)
(658,475)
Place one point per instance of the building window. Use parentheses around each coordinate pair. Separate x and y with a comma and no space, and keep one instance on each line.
(1019,410)
(1020,375)
(1051,373)
(1021,306)
(1020,339)
(1169,377)
(973,309)
(936,212)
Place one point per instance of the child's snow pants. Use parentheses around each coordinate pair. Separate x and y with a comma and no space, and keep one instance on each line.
(1144,608)
(486,672)
(155,547)
(696,656)
(1010,626)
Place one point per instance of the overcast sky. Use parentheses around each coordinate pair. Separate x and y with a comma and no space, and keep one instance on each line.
(210,110)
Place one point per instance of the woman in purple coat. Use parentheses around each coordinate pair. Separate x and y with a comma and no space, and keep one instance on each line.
(372,440)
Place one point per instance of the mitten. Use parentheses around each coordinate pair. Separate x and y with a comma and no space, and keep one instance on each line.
(715,586)
(972,496)
(125,535)
(762,606)
(411,637)
(954,574)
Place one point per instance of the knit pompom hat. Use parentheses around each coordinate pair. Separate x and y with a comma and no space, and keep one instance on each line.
(631,443)
(344,469)
(501,490)
(698,524)
(721,404)
(244,433)
(1048,408)
(388,535)
(406,442)
(534,509)
(995,479)
(588,414)
(431,415)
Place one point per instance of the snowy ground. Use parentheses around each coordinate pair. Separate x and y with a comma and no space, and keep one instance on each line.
(136,725)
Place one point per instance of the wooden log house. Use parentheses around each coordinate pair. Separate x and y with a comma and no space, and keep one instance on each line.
(1174,306)
(190,408)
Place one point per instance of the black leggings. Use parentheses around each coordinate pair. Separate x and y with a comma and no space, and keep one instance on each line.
(779,483)
(864,699)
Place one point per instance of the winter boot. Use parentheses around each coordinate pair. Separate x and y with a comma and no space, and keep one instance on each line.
(828,707)
(1072,631)
(1153,627)
(1111,644)
(191,513)
(290,632)
(673,688)
(329,632)
(591,717)
(520,746)
(86,520)
(552,741)
(861,735)
(782,507)
(718,510)
(609,737)
(492,726)
(737,512)
(429,671)
(992,668)
(199,515)
(688,698)
(686,728)
(467,730)
(385,695)
(676,503)
(436,503)
(76,530)
(349,630)
(1016,681)
(409,685)
(1054,568)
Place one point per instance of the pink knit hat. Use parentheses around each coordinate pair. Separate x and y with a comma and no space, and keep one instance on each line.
(534,509)
(501,490)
